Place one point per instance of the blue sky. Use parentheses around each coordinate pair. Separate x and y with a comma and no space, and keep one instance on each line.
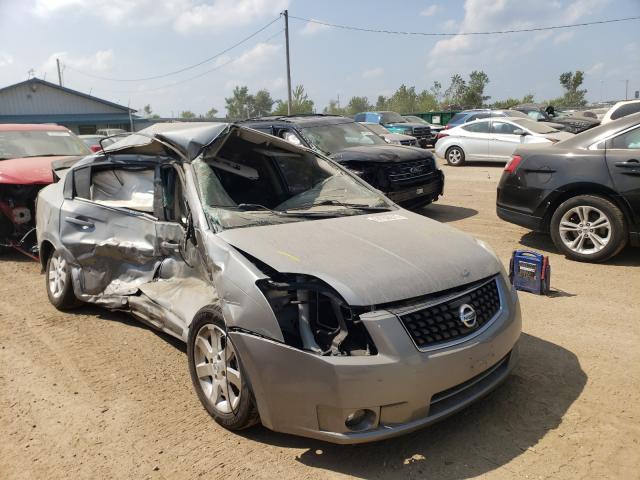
(130,39)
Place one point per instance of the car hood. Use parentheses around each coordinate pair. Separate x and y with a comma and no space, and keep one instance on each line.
(406,124)
(379,153)
(29,170)
(397,136)
(371,259)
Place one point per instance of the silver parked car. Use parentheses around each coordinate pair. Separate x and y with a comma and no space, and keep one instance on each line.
(493,139)
(307,300)
(387,136)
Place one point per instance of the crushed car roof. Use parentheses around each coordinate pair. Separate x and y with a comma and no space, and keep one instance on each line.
(188,138)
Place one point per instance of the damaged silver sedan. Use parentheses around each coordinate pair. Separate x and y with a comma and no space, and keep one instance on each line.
(308,301)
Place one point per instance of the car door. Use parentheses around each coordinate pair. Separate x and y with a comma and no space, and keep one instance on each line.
(623,160)
(474,139)
(108,226)
(502,140)
(181,284)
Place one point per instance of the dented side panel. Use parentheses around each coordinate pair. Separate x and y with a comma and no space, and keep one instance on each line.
(117,251)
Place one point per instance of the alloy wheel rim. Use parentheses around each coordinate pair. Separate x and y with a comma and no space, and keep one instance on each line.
(217,368)
(57,275)
(585,229)
(454,155)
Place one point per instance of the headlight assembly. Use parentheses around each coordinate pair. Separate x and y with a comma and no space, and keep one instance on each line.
(313,316)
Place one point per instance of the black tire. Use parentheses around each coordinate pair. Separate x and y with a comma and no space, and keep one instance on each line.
(454,156)
(245,414)
(61,296)
(618,236)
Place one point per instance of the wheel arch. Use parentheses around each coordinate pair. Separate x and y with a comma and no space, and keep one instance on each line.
(585,188)
(45,250)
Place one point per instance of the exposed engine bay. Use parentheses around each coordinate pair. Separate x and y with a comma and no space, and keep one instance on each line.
(17,219)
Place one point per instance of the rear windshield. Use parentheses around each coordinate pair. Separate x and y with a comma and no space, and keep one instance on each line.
(39,143)
(457,117)
(625,110)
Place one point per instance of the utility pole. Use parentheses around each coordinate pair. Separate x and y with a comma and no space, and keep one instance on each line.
(626,89)
(59,72)
(286,37)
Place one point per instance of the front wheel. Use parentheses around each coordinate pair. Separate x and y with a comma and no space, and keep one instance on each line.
(589,228)
(454,156)
(58,282)
(216,372)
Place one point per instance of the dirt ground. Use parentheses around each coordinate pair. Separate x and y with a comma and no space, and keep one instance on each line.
(94,394)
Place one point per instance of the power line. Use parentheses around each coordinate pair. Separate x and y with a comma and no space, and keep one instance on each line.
(443,34)
(201,74)
(175,72)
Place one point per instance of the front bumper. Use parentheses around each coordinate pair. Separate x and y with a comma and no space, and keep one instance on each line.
(419,194)
(423,142)
(309,395)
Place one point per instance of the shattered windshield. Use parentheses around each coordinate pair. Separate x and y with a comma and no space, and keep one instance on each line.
(249,183)
(331,139)
(38,143)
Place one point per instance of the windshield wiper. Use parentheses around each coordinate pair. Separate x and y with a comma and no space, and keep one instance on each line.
(358,206)
(247,207)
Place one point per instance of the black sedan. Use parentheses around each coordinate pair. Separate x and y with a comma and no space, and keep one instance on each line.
(584,191)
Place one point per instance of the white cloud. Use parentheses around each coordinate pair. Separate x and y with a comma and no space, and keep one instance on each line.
(186,16)
(223,14)
(5,59)
(100,61)
(595,69)
(450,25)
(254,60)
(430,11)
(448,54)
(373,72)
(313,28)
(564,36)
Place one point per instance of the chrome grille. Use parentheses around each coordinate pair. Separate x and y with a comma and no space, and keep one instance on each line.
(410,171)
(441,323)
(421,132)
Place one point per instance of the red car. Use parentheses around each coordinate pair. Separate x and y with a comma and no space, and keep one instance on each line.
(26,156)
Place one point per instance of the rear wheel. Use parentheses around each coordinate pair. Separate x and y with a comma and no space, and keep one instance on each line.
(58,282)
(454,156)
(216,372)
(589,228)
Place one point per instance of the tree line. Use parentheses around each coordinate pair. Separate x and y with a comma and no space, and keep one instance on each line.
(460,94)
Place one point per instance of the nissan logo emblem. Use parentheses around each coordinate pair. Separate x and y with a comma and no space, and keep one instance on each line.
(467,315)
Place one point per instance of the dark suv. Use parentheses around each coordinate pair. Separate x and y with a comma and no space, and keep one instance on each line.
(584,191)
(407,175)
(396,123)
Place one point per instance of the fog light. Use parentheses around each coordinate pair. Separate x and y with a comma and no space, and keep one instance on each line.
(360,420)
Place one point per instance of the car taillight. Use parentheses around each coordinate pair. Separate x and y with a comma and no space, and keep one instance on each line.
(447,126)
(512,164)
(95,148)
(441,135)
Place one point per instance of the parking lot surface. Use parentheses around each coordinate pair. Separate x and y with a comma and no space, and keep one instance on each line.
(95,394)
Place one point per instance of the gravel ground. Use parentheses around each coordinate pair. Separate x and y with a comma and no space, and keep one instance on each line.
(94,394)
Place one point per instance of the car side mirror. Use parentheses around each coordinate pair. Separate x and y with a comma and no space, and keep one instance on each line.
(519,131)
